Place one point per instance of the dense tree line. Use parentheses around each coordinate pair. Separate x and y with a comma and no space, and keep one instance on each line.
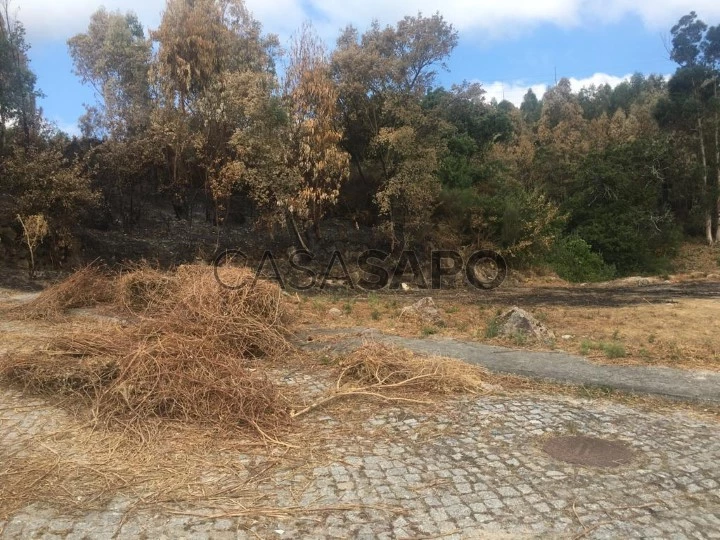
(208,110)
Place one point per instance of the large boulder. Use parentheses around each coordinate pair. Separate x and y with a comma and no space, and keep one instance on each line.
(516,321)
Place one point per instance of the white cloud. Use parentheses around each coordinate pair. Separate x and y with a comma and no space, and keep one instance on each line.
(515,91)
(71,128)
(656,14)
(281,17)
(48,20)
(57,20)
(597,79)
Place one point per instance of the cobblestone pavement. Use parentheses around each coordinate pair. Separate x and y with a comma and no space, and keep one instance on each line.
(469,468)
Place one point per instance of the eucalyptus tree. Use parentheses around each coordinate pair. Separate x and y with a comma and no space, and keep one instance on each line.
(692,107)
(382,76)
(38,182)
(205,49)
(113,56)
(316,164)
(17,81)
(531,107)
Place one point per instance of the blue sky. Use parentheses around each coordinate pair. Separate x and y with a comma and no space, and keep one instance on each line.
(508,45)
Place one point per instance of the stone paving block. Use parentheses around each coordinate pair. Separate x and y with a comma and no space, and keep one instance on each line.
(485,471)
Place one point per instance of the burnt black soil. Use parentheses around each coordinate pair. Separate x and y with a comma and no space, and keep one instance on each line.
(605,295)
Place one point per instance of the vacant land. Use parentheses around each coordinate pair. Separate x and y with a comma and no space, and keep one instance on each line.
(148,404)
(667,324)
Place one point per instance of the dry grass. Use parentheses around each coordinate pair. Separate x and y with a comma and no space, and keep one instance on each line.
(188,356)
(697,258)
(140,286)
(674,334)
(184,457)
(186,371)
(71,465)
(86,287)
(84,470)
(190,353)
(392,374)
(384,366)
(248,321)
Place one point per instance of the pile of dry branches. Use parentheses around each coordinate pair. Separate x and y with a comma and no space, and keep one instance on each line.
(138,287)
(392,374)
(188,349)
(377,365)
(86,287)
(187,355)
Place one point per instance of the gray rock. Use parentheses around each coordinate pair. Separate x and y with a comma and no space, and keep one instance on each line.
(425,310)
(518,321)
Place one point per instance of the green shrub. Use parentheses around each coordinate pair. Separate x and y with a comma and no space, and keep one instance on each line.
(619,205)
(493,328)
(521,222)
(613,350)
(574,261)
(458,207)
(627,247)
(526,225)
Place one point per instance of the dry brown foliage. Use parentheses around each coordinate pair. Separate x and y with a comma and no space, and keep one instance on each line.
(384,366)
(86,287)
(70,465)
(393,374)
(186,357)
(189,351)
(137,287)
(58,374)
(247,321)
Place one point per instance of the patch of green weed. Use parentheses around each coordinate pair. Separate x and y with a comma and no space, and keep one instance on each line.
(493,328)
(613,350)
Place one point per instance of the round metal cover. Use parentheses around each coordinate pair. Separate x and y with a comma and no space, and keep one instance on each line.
(590,451)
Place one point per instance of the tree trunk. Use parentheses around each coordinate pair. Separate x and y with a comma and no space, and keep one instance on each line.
(359,168)
(293,230)
(31,248)
(717,164)
(706,194)
(316,224)
(2,135)
(24,98)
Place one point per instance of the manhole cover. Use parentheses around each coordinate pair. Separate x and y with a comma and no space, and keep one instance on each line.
(582,450)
